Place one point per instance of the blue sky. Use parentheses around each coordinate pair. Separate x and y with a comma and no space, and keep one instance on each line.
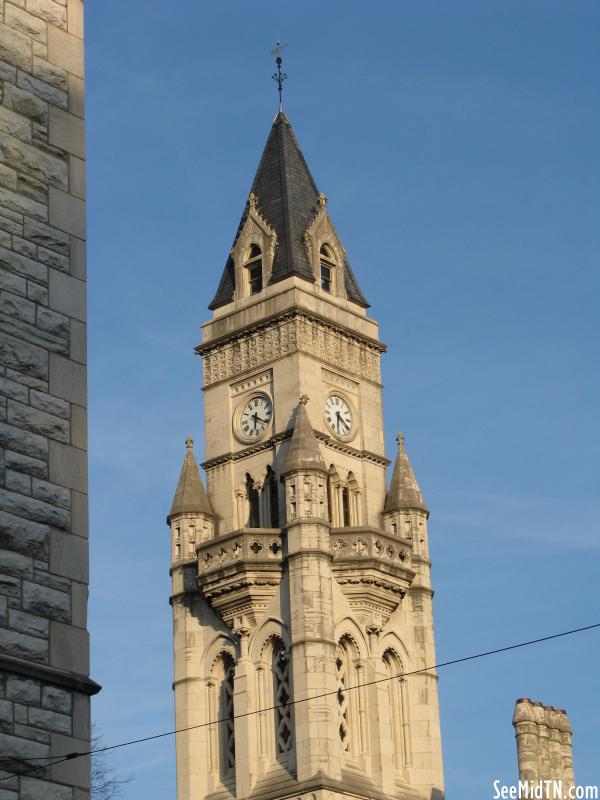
(458,145)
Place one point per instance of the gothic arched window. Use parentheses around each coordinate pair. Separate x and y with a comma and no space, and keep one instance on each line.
(221,712)
(253,499)
(254,270)
(346,506)
(350,699)
(398,708)
(271,483)
(327,265)
(333,489)
(276,738)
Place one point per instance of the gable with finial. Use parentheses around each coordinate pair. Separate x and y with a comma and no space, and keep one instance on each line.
(254,230)
(320,232)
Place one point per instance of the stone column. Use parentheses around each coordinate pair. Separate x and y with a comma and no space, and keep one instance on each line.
(196,750)
(246,723)
(566,748)
(241,509)
(406,737)
(339,489)
(313,648)
(526,734)
(381,744)
(357,514)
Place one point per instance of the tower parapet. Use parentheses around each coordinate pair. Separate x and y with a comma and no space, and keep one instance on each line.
(191,517)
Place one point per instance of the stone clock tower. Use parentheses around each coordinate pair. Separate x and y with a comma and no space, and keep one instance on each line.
(300,581)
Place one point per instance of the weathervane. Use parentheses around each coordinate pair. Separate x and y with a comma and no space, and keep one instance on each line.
(279,77)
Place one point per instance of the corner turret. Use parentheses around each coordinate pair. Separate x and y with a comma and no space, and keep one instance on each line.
(304,473)
(405,513)
(191,517)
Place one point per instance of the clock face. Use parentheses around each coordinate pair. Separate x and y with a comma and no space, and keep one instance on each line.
(339,416)
(255,416)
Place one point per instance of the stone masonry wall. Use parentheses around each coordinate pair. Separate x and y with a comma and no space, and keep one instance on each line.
(44,649)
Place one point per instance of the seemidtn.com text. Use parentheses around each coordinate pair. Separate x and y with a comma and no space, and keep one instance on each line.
(543,790)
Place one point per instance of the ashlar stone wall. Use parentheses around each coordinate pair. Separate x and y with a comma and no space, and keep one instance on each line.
(44,649)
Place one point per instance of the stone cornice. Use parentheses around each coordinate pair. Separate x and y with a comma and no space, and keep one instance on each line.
(272,441)
(353,786)
(289,314)
(48,674)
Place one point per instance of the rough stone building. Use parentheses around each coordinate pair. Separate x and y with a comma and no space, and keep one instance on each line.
(44,652)
(301,584)
(544,746)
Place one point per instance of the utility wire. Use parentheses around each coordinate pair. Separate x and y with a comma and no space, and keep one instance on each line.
(401,675)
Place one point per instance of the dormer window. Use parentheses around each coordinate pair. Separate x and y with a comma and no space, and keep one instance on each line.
(254,270)
(327,260)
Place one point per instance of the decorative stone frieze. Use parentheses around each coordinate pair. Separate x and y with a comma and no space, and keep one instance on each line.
(291,333)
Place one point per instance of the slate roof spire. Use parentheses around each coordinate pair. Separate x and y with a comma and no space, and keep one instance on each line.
(304,452)
(288,199)
(190,495)
(404,490)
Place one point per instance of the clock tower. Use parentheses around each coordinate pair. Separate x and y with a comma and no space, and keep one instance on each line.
(302,602)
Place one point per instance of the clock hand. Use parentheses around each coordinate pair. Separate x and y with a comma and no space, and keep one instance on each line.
(340,420)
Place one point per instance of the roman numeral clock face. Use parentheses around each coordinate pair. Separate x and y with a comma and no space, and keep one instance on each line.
(339,417)
(255,417)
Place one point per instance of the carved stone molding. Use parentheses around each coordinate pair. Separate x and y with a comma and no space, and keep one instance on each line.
(255,229)
(291,333)
(338,381)
(266,444)
(319,232)
(239,573)
(255,382)
(373,570)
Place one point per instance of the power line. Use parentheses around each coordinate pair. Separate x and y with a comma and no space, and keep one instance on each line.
(463,659)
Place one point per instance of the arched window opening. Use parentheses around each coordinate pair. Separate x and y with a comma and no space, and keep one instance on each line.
(334,497)
(327,264)
(398,709)
(346,506)
(223,735)
(354,498)
(253,502)
(271,482)
(352,723)
(254,270)
(281,695)
(341,669)
(276,729)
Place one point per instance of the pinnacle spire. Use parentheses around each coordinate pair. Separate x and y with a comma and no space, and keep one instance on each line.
(190,495)
(304,452)
(287,197)
(404,490)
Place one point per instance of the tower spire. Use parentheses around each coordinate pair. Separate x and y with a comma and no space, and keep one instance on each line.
(304,452)
(190,495)
(279,77)
(404,490)
(287,198)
